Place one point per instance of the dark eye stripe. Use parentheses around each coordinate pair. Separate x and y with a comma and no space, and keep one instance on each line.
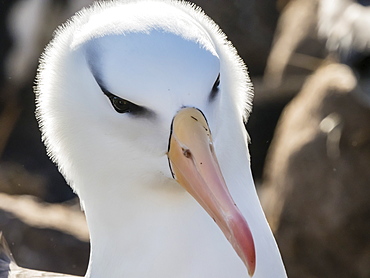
(119,104)
(215,89)
(124,106)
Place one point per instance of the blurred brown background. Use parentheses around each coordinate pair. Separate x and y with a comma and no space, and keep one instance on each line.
(310,128)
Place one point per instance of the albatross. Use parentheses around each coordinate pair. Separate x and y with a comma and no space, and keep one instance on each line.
(142,106)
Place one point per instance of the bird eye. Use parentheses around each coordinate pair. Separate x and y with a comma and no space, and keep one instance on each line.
(121,105)
(217,83)
(124,106)
(215,90)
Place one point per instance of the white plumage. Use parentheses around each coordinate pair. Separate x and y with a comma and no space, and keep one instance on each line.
(109,87)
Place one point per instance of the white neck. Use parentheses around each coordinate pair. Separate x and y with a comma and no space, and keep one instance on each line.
(147,229)
(147,225)
(159,235)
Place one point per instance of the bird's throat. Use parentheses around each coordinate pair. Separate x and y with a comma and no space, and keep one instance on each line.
(167,235)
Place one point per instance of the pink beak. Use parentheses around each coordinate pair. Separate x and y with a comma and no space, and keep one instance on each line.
(194,165)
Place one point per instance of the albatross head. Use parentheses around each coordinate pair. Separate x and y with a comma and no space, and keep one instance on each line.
(140,104)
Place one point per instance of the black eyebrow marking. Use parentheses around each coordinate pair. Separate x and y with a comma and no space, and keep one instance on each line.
(215,89)
(102,87)
(134,109)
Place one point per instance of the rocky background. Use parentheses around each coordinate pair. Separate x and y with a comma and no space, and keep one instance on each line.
(310,128)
